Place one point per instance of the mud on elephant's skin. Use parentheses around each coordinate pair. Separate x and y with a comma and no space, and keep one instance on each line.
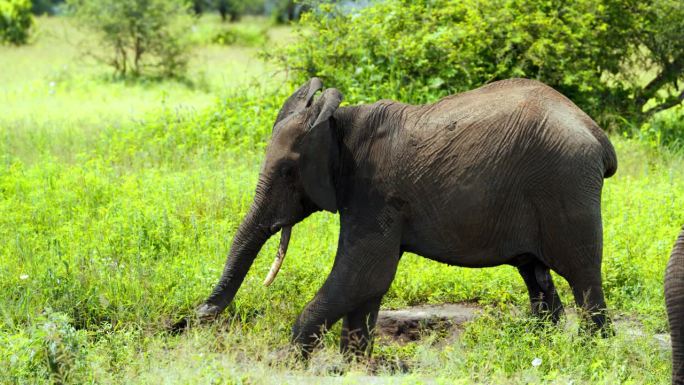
(510,173)
(674,298)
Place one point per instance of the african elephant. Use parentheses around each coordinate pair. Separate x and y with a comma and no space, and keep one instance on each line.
(510,173)
(674,298)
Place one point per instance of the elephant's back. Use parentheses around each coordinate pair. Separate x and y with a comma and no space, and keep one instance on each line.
(491,163)
(532,112)
(509,132)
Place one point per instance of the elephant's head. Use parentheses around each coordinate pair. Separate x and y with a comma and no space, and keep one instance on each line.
(297,178)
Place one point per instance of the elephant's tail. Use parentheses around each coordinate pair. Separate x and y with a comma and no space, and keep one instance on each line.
(610,162)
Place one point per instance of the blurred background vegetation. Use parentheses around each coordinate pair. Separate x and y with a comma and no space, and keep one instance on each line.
(620,60)
(131,134)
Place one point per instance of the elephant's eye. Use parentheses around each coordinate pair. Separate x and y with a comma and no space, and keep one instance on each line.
(286,171)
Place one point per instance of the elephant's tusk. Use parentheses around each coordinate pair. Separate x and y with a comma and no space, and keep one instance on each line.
(282,250)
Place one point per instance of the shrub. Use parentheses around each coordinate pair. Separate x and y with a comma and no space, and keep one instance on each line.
(244,35)
(230,9)
(46,7)
(284,11)
(595,52)
(50,351)
(15,21)
(139,37)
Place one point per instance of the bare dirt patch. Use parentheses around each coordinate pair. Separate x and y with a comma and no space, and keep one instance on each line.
(409,324)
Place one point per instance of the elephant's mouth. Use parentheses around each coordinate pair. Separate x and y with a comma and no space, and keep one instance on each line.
(287,221)
(282,250)
(279,225)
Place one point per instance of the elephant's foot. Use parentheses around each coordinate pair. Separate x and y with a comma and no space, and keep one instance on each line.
(204,313)
(547,314)
(391,365)
(596,323)
(207,312)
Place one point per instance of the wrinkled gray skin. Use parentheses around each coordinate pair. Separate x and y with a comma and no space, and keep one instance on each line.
(674,298)
(510,173)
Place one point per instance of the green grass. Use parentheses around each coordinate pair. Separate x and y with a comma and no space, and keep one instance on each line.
(118,202)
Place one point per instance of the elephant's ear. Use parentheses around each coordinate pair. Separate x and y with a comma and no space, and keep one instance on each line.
(320,151)
(300,99)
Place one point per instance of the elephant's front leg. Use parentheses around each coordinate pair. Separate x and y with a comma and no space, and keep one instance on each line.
(357,329)
(365,265)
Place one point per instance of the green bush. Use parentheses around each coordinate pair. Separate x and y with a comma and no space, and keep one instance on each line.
(138,37)
(664,130)
(247,36)
(595,52)
(50,351)
(46,7)
(15,21)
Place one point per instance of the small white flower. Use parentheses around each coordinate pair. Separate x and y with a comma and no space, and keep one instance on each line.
(23,276)
(536,362)
(52,84)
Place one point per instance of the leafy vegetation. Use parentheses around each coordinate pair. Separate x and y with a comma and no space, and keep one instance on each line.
(256,36)
(15,21)
(46,7)
(615,59)
(118,202)
(142,37)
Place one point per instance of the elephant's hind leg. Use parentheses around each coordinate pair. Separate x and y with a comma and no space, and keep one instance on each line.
(544,299)
(573,245)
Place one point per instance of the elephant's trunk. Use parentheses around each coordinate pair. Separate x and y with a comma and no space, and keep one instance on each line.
(249,238)
(674,298)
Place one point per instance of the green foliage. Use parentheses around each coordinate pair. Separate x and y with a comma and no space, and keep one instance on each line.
(15,21)
(417,51)
(45,7)
(50,351)
(664,130)
(284,11)
(230,10)
(140,37)
(253,32)
(253,36)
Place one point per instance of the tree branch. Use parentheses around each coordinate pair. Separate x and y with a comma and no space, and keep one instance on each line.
(670,72)
(668,104)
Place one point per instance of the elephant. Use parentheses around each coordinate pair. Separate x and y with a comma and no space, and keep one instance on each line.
(674,299)
(509,173)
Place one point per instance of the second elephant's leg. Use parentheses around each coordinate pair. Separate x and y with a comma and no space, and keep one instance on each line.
(357,329)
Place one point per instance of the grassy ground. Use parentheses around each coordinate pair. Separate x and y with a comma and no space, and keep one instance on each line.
(118,202)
